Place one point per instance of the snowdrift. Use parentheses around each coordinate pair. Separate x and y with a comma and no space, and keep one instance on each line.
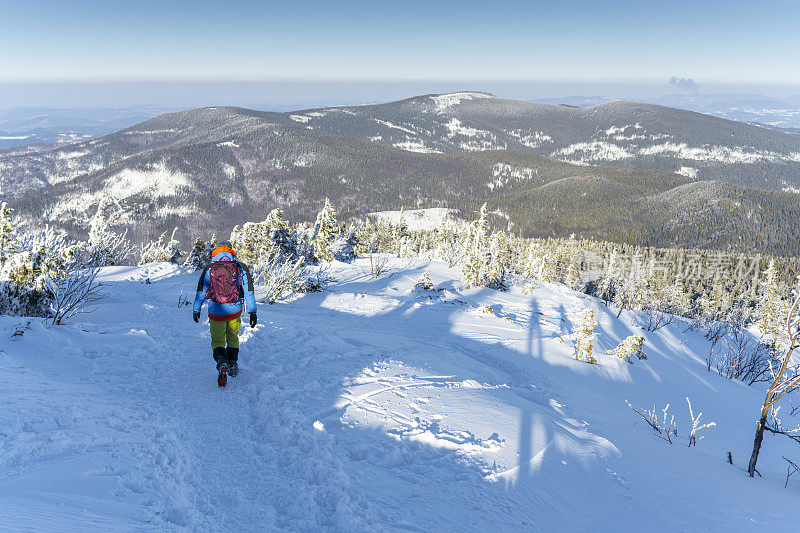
(373,406)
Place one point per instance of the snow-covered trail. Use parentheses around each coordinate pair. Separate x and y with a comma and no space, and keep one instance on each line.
(429,416)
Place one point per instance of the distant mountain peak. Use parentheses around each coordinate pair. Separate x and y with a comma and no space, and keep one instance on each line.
(444,101)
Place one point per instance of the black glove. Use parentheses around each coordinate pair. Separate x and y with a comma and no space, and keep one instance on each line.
(253,320)
(196,316)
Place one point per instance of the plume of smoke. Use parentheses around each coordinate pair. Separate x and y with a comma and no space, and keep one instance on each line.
(687,84)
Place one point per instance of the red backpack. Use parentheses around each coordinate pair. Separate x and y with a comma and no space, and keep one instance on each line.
(224,283)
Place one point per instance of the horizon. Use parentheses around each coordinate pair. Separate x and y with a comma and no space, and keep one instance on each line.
(299,94)
(196,53)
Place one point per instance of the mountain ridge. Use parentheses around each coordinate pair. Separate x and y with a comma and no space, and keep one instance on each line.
(192,168)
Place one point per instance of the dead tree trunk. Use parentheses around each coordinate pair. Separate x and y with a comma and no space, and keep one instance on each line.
(751,468)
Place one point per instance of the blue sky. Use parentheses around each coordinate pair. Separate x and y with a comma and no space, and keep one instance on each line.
(710,41)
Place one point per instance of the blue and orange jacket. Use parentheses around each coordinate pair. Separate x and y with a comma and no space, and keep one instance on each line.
(231,310)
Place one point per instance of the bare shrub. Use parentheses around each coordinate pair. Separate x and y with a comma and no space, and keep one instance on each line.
(74,293)
(745,357)
(664,428)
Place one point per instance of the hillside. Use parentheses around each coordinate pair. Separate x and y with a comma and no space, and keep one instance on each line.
(613,133)
(371,407)
(205,170)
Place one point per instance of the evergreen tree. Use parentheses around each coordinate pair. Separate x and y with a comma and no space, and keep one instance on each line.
(197,257)
(7,233)
(770,305)
(345,247)
(325,231)
(608,285)
(584,336)
(475,267)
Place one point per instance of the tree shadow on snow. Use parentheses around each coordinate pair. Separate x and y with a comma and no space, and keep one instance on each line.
(415,470)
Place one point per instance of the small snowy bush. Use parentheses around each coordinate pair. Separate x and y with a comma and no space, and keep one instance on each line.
(424,282)
(628,348)
(583,338)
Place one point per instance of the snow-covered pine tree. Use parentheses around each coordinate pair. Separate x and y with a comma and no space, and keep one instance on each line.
(571,276)
(475,267)
(547,266)
(400,234)
(245,242)
(325,231)
(7,232)
(770,306)
(583,337)
(608,285)
(344,248)
(675,296)
(269,244)
(501,260)
(196,259)
(628,348)
(533,260)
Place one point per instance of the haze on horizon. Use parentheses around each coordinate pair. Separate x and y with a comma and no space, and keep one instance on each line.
(271,54)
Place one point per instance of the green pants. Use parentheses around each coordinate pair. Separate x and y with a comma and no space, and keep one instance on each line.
(225,329)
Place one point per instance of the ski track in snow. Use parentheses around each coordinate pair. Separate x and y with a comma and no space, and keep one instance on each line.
(368,408)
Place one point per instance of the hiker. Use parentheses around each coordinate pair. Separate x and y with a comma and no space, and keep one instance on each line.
(222,283)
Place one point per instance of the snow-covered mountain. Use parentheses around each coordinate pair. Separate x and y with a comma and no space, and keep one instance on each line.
(372,407)
(553,170)
(611,133)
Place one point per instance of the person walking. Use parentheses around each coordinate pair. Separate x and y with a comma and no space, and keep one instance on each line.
(227,284)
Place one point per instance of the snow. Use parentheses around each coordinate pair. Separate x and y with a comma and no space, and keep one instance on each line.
(72,154)
(456,128)
(504,173)
(689,172)
(588,152)
(371,407)
(394,126)
(300,118)
(421,219)
(304,160)
(415,145)
(445,101)
(479,140)
(530,138)
(158,180)
(153,132)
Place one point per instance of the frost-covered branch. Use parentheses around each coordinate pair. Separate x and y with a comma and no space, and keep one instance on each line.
(696,426)
(664,428)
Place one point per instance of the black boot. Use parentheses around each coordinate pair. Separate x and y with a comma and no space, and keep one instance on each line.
(220,356)
(233,361)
